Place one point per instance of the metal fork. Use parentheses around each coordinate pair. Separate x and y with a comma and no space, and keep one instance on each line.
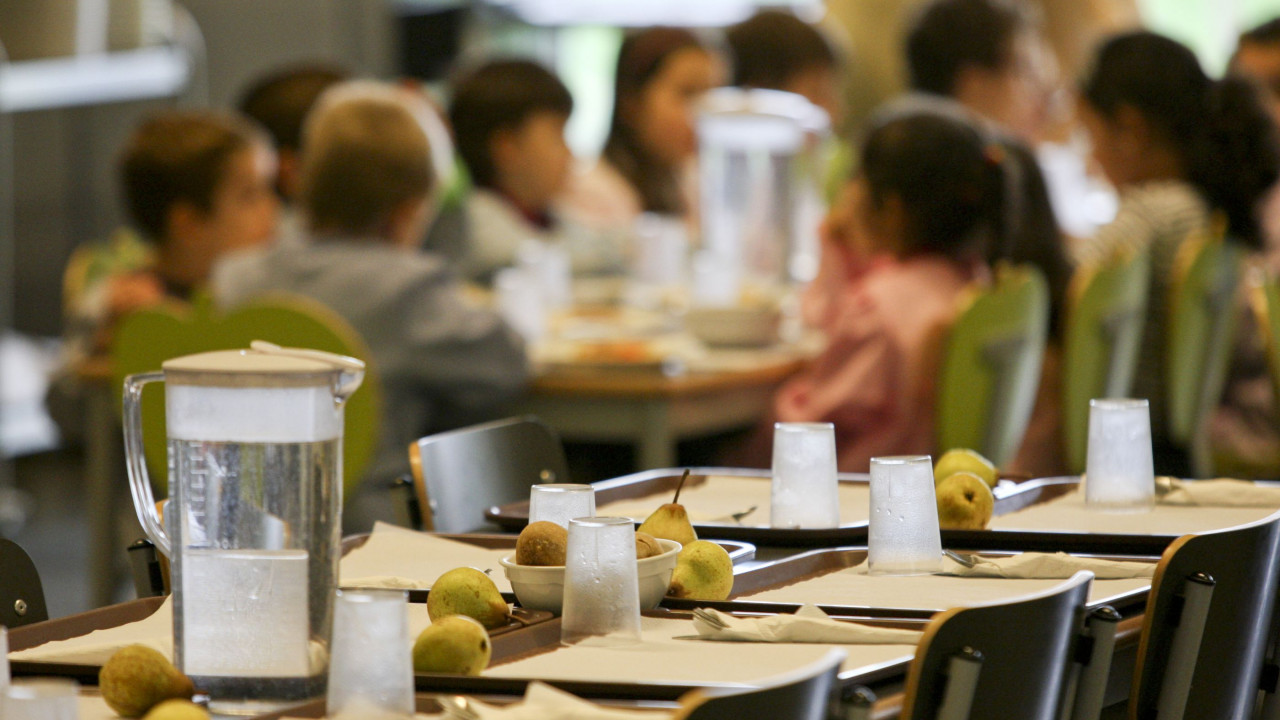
(710,618)
(458,706)
(737,517)
(965,560)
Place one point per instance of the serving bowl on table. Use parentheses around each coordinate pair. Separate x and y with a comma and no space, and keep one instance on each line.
(541,587)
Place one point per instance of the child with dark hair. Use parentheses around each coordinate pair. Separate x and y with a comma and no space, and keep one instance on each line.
(775,50)
(661,74)
(930,200)
(1258,56)
(508,119)
(1178,146)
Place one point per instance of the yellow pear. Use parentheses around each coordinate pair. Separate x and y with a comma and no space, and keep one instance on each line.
(136,678)
(456,644)
(964,502)
(671,521)
(177,710)
(965,460)
(703,571)
(542,543)
(467,591)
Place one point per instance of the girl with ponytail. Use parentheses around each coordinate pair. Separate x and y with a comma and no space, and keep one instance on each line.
(1179,147)
(931,198)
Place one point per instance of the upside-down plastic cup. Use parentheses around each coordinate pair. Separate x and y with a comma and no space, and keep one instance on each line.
(903,536)
(41,699)
(371,669)
(803,493)
(601,588)
(1119,471)
(561,502)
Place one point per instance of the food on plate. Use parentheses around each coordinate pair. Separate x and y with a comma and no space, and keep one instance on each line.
(456,644)
(542,543)
(177,709)
(617,351)
(965,502)
(671,520)
(703,571)
(965,460)
(647,545)
(467,591)
(137,678)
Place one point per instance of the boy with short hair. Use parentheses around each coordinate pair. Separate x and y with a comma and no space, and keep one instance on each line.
(775,50)
(366,190)
(508,118)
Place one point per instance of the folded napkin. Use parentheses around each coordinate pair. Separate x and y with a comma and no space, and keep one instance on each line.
(1222,492)
(386,582)
(542,701)
(808,625)
(1044,566)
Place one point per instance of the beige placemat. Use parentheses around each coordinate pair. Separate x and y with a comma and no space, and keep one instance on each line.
(397,557)
(1069,514)
(154,631)
(93,707)
(925,592)
(720,496)
(661,659)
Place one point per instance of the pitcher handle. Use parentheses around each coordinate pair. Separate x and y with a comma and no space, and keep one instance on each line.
(144,501)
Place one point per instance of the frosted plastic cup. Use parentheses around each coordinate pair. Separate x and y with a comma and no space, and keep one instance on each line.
(561,502)
(519,301)
(371,668)
(803,493)
(1119,474)
(41,699)
(601,588)
(903,536)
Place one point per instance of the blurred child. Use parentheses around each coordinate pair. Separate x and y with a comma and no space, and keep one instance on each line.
(661,73)
(929,200)
(508,119)
(366,191)
(775,50)
(1178,146)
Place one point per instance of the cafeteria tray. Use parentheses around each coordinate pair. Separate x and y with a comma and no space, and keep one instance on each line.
(545,637)
(64,628)
(662,484)
(816,563)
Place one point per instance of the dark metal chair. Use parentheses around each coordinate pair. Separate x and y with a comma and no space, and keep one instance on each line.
(805,694)
(21,594)
(1005,660)
(461,473)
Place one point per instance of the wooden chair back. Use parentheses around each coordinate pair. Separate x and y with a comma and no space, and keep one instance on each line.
(1005,660)
(460,474)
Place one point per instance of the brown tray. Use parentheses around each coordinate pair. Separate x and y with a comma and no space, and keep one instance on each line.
(817,563)
(738,551)
(513,516)
(29,636)
(545,637)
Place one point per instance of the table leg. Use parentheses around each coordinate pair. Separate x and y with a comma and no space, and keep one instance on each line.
(656,446)
(101,451)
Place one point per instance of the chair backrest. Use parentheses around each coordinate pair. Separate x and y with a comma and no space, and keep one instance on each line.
(1228,579)
(1202,324)
(147,338)
(1018,650)
(805,694)
(21,594)
(461,473)
(991,365)
(1108,305)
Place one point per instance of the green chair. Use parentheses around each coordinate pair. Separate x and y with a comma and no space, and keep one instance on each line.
(991,365)
(1108,306)
(1202,326)
(147,338)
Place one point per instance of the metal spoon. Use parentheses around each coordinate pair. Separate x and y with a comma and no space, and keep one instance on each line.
(458,706)
(965,560)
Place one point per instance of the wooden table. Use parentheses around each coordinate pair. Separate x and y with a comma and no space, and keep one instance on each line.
(653,411)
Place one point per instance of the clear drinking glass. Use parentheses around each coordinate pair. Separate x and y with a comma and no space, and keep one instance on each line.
(41,699)
(601,589)
(803,493)
(1119,473)
(371,668)
(561,502)
(903,536)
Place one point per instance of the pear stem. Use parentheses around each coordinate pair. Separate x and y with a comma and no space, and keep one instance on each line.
(680,487)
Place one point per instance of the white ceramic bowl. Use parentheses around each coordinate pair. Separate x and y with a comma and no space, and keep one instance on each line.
(541,587)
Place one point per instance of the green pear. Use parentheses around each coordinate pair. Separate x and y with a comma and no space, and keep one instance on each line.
(703,571)
(542,543)
(965,460)
(177,710)
(964,502)
(467,591)
(671,521)
(456,644)
(136,678)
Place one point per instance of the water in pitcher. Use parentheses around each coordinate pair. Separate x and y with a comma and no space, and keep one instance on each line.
(260,529)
